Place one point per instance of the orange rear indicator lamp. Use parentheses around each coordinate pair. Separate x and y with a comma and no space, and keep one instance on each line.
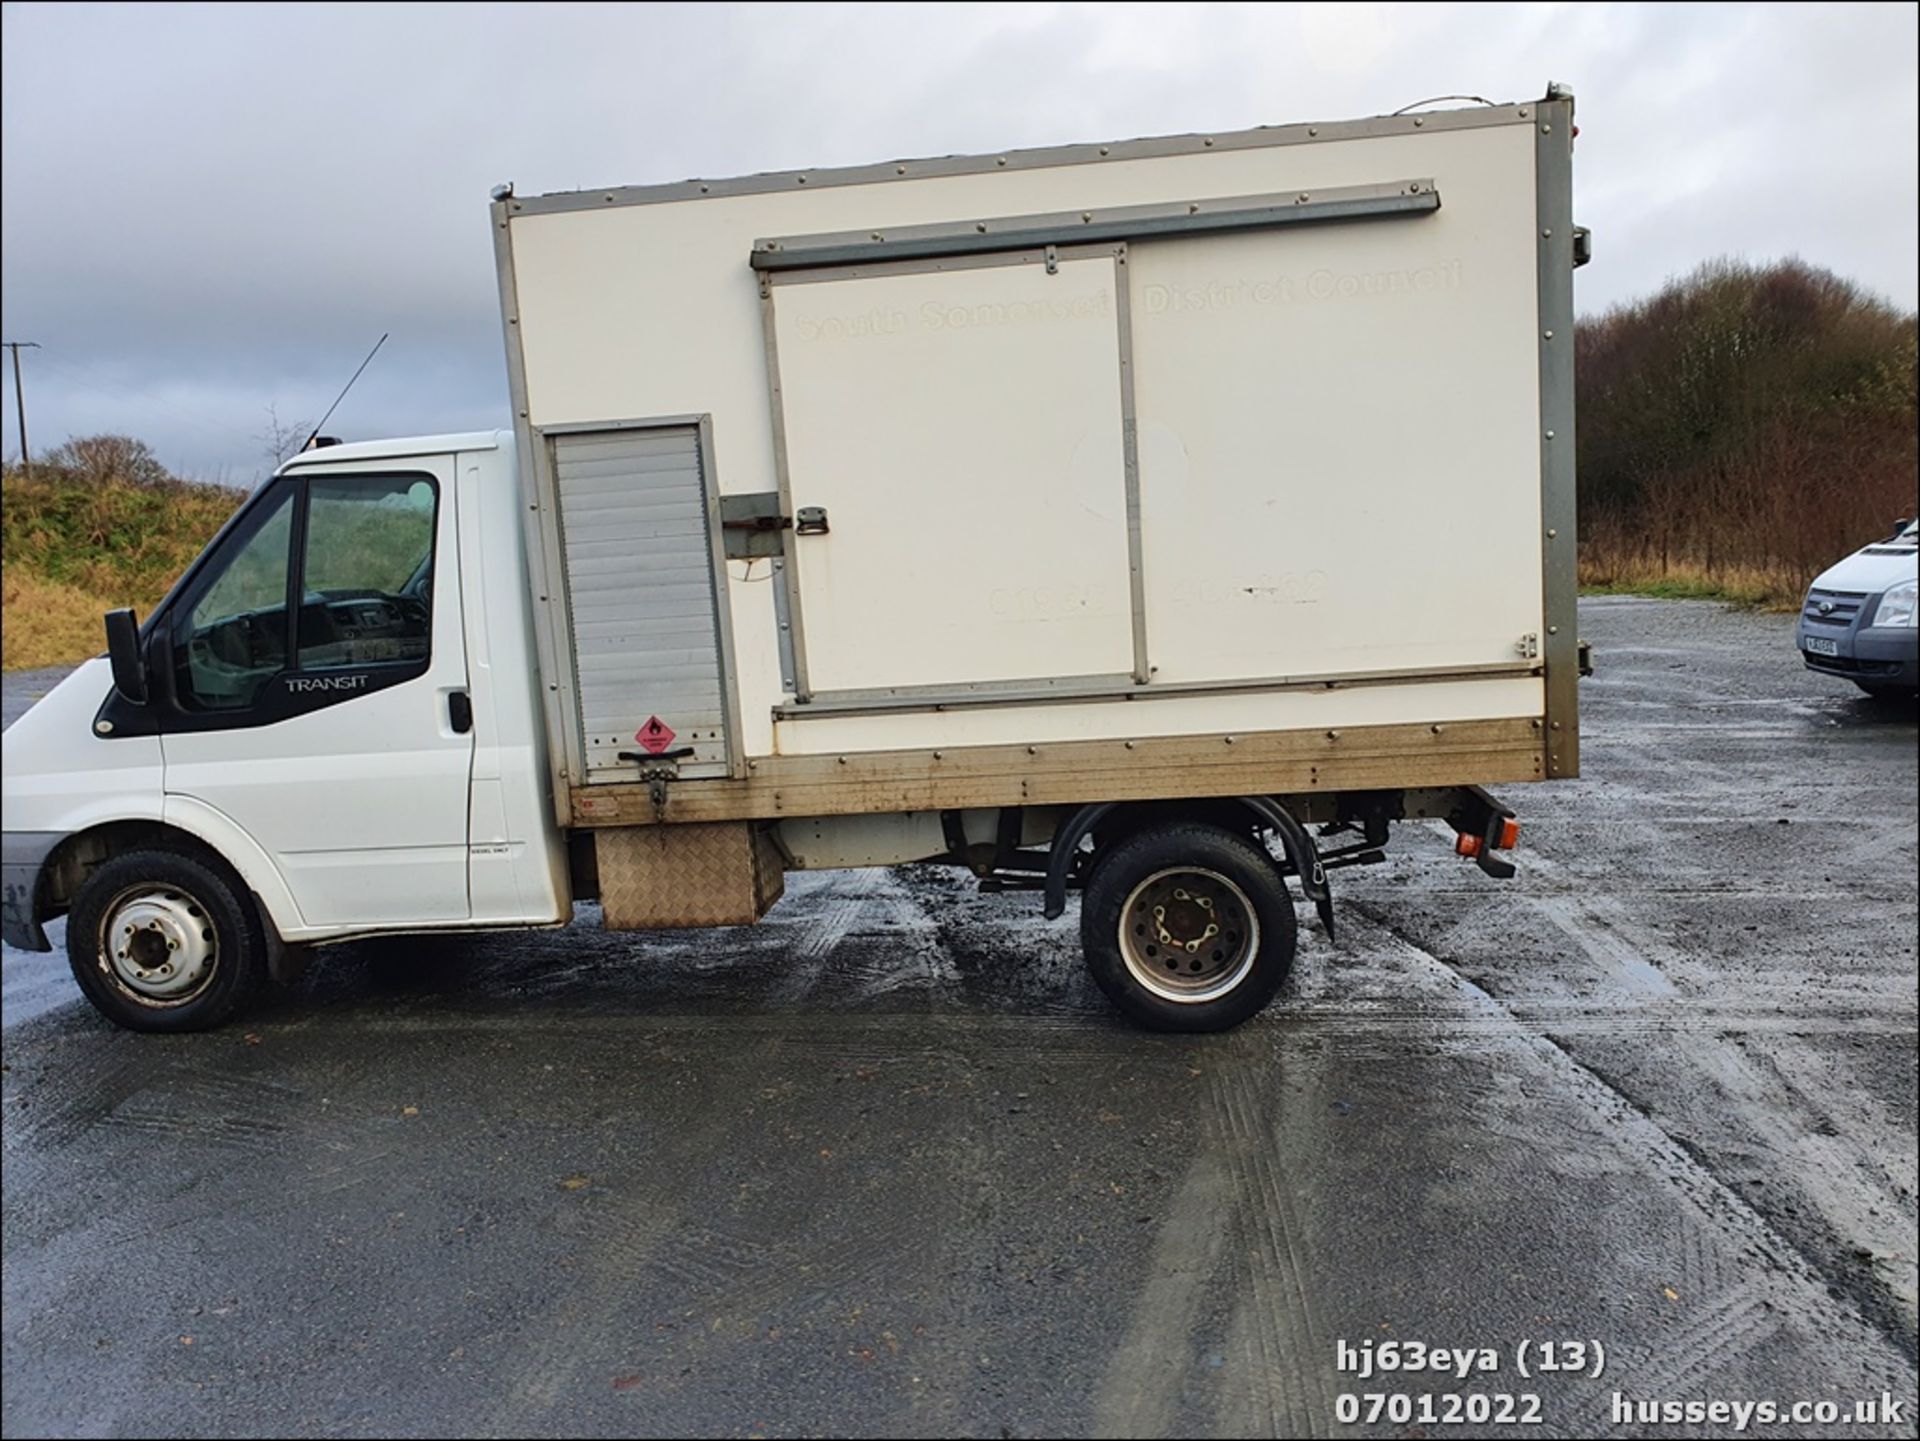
(1482,828)
(1505,839)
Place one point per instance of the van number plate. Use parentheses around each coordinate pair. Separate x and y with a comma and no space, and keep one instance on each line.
(1816,645)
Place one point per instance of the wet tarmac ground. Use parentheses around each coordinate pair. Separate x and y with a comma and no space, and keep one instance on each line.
(886,1165)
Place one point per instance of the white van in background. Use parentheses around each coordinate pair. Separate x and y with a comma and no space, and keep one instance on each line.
(1858,621)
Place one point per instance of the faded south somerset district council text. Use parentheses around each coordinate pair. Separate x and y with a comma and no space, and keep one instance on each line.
(1152,298)
(1315,285)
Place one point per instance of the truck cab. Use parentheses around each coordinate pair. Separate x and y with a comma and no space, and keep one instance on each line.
(328,727)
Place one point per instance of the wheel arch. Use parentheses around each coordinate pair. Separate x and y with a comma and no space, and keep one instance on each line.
(1114,819)
(69,863)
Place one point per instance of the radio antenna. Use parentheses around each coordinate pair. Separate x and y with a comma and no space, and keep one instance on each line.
(344,389)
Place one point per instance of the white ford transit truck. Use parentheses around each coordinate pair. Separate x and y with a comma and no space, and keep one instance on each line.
(1159,520)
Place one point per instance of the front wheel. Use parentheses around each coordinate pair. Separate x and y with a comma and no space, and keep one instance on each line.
(1886,690)
(161,940)
(1187,927)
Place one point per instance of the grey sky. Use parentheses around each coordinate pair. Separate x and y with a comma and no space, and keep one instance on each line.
(210,210)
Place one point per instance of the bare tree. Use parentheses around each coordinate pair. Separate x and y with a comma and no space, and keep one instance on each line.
(281,438)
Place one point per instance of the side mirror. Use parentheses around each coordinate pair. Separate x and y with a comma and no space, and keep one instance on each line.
(1898,526)
(123,650)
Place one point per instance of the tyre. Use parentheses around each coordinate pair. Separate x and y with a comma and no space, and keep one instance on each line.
(161,940)
(1187,927)
(1886,690)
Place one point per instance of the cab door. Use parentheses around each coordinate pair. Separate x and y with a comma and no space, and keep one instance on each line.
(312,688)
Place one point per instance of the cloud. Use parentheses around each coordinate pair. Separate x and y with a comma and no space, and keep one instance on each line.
(207,210)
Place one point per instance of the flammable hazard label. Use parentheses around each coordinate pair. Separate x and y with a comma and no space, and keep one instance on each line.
(655,736)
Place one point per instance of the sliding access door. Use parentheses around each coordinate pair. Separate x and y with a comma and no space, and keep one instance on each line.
(956,464)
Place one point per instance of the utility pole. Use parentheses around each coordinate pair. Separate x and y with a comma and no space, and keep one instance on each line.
(20,400)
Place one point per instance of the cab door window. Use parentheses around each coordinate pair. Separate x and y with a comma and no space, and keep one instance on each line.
(235,637)
(323,575)
(367,573)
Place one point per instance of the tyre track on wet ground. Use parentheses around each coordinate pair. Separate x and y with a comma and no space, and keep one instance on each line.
(1154,1356)
(789,1261)
(1234,1239)
(1290,1388)
(1746,1089)
(1795,1283)
(636,1237)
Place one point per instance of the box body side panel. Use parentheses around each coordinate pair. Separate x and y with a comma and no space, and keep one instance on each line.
(1337,433)
(1339,456)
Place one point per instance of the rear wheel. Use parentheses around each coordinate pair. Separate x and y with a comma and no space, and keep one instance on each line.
(161,940)
(1187,927)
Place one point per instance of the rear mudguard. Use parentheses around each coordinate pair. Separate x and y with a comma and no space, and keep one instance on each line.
(1303,856)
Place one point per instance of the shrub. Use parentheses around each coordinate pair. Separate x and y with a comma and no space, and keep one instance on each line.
(95,527)
(107,460)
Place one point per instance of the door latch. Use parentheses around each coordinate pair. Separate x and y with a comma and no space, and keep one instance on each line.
(656,771)
(751,524)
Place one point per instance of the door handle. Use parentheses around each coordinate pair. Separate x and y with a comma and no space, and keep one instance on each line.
(460,711)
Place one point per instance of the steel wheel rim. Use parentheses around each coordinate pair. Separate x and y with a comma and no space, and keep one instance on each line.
(1188,934)
(158,945)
